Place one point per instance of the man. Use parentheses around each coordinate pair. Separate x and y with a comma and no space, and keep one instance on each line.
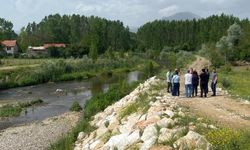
(208,76)
(188,84)
(169,79)
(176,84)
(214,82)
(203,82)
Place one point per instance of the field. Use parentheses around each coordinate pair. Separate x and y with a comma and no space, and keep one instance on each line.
(237,81)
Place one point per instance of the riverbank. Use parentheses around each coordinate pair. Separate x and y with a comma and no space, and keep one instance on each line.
(38,135)
(68,69)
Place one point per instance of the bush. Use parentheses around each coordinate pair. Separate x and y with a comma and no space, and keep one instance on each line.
(225,83)
(75,107)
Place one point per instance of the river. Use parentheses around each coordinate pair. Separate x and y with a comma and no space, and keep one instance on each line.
(57,97)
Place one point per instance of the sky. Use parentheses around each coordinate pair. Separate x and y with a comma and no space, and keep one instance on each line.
(133,13)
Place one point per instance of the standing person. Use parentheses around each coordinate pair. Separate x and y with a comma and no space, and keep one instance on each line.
(169,79)
(207,79)
(188,84)
(195,83)
(214,82)
(203,83)
(176,84)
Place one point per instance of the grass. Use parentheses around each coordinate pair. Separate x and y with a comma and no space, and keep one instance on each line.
(15,109)
(237,82)
(96,104)
(141,104)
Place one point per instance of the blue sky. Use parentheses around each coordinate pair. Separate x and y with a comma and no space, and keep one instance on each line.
(132,12)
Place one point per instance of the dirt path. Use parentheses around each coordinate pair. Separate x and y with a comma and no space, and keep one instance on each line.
(39,135)
(18,67)
(221,108)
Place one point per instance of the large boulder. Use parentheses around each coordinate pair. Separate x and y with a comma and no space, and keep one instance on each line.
(148,143)
(149,132)
(166,123)
(192,140)
(123,140)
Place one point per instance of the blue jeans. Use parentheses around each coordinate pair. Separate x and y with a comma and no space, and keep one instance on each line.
(188,90)
(176,89)
(213,87)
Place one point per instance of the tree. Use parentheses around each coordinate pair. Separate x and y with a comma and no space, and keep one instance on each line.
(93,51)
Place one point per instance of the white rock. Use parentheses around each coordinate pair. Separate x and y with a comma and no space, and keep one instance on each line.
(149,132)
(101,130)
(123,140)
(192,140)
(212,127)
(95,144)
(148,143)
(169,113)
(81,136)
(181,114)
(165,135)
(165,123)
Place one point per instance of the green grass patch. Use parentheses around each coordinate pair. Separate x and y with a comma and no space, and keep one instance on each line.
(236,82)
(16,109)
(141,104)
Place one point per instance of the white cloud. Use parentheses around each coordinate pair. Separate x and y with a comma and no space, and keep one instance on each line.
(168,10)
(26,5)
(88,8)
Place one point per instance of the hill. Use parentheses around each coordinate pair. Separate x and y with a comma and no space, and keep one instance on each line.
(182,16)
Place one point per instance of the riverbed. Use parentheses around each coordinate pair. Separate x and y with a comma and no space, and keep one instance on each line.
(58,97)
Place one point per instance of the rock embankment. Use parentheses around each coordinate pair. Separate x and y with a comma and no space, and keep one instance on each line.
(39,135)
(160,127)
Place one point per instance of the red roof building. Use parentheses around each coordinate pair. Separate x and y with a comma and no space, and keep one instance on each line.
(10,46)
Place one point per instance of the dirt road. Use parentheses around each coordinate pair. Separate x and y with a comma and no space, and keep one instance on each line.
(222,108)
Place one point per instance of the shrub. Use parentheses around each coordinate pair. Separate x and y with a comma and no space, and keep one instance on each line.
(224,138)
(75,107)
(225,83)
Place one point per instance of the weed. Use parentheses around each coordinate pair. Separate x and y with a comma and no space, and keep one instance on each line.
(75,107)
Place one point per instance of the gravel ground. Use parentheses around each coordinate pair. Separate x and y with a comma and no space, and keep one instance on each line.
(38,135)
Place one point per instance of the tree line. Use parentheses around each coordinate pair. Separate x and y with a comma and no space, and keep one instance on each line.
(94,35)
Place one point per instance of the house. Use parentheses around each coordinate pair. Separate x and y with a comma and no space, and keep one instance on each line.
(37,51)
(43,50)
(10,46)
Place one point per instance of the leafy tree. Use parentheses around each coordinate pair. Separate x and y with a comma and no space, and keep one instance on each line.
(93,51)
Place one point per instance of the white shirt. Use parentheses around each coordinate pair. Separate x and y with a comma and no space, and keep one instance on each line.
(168,77)
(188,78)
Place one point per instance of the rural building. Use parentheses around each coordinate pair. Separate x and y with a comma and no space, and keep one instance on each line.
(43,50)
(10,46)
(37,51)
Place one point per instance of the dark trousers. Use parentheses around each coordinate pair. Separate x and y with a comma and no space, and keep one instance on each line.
(194,89)
(204,89)
(176,89)
(169,87)
(213,87)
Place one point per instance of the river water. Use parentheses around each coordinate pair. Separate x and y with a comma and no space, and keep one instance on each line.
(56,103)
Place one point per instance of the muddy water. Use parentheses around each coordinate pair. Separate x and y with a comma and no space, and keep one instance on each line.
(58,97)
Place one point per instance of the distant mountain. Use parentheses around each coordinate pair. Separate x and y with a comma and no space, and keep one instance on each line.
(182,16)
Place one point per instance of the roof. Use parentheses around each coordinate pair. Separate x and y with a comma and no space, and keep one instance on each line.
(9,43)
(54,45)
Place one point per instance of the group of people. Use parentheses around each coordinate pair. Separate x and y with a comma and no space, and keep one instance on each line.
(192,81)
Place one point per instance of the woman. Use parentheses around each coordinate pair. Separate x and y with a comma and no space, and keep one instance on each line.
(195,83)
